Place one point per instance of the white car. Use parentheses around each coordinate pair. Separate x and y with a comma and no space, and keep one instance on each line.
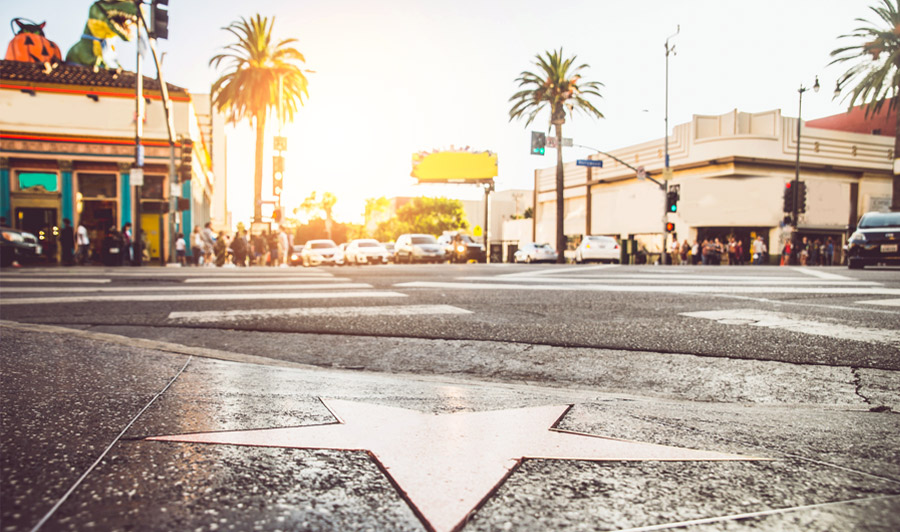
(534,252)
(318,252)
(598,248)
(365,251)
(418,248)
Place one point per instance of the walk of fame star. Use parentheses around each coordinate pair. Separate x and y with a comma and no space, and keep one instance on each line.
(446,465)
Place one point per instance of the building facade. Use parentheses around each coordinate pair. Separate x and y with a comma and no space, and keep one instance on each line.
(67,148)
(731,171)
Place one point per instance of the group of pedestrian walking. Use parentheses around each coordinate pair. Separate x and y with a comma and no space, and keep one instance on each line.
(209,248)
(804,252)
(112,247)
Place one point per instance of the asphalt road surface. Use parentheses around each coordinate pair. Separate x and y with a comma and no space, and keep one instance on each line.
(410,397)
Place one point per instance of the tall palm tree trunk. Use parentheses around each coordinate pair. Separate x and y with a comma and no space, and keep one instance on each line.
(258,167)
(560,201)
(895,194)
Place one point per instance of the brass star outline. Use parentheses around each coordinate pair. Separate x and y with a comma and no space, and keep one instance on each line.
(447,465)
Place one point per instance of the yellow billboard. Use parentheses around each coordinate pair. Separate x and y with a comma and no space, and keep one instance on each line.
(454,167)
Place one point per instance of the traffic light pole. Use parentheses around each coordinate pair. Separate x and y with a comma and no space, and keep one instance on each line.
(795,214)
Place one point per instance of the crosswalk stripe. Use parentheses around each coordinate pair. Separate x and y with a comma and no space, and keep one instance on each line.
(788,322)
(562,270)
(821,274)
(264,279)
(331,312)
(691,289)
(8,279)
(191,289)
(883,302)
(131,298)
(790,281)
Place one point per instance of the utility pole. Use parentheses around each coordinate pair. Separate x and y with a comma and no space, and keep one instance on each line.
(667,172)
(795,188)
(138,148)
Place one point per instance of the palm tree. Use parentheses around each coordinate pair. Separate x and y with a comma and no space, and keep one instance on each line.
(875,74)
(260,76)
(559,87)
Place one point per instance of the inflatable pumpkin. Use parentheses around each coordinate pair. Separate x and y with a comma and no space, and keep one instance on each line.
(30,45)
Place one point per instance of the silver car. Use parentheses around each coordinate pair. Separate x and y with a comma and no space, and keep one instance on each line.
(534,252)
(418,248)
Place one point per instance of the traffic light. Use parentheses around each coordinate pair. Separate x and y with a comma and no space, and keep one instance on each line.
(788,197)
(538,142)
(672,201)
(801,196)
(276,215)
(277,175)
(159,20)
(670,227)
(187,157)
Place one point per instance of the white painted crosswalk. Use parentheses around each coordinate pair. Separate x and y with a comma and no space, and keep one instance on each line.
(328,312)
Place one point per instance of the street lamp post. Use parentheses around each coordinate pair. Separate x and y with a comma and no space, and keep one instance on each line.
(795,187)
(667,173)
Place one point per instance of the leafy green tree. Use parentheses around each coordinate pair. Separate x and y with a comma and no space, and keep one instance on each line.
(556,86)
(261,75)
(874,75)
(431,216)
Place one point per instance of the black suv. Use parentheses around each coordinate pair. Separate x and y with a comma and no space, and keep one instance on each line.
(461,248)
(876,240)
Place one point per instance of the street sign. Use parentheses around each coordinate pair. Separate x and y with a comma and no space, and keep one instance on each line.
(589,162)
(136,177)
(551,142)
(667,174)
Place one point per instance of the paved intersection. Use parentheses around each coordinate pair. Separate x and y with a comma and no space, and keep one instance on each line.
(796,366)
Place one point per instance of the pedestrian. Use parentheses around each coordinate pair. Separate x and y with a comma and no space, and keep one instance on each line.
(829,252)
(739,252)
(239,247)
(675,252)
(284,247)
(180,249)
(804,251)
(814,253)
(84,242)
(759,250)
(259,249)
(221,249)
(209,243)
(196,246)
(272,244)
(67,242)
(127,251)
(786,252)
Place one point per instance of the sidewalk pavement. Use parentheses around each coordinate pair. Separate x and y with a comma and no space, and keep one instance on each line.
(245,443)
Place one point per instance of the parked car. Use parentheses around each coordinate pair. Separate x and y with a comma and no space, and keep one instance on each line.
(876,240)
(461,248)
(319,252)
(365,251)
(418,248)
(598,248)
(534,252)
(17,246)
(296,257)
(389,246)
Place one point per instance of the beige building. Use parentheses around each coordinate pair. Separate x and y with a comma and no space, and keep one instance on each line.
(67,147)
(731,171)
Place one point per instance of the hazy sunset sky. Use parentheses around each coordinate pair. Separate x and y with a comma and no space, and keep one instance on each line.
(392,78)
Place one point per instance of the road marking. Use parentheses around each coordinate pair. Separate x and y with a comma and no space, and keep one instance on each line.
(692,289)
(191,289)
(197,297)
(328,312)
(8,279)
(565,269)
(793,323)
(265,279)
(884,302)
(821,274)
(790,281)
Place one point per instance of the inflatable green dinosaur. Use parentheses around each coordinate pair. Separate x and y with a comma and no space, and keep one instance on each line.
(106,19)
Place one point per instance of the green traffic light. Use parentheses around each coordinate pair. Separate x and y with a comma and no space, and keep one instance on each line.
(673,208)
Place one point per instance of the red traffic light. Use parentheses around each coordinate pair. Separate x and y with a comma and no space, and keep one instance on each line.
(670,227)
(787,185)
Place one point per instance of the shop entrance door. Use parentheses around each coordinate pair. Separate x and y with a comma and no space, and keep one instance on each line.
(41,222)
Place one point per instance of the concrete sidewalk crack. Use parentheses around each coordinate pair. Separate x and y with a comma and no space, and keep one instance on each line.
(857,383)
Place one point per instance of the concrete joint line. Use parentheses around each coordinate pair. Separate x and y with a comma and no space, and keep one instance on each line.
(109,447)
(750,515)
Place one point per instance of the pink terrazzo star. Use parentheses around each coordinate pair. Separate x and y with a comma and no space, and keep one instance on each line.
(446,465)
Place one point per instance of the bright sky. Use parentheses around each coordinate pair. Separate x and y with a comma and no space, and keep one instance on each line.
(395,77)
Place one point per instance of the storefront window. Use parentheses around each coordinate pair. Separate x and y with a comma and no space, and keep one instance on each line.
(153,187)
(97,185)
(38,182)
